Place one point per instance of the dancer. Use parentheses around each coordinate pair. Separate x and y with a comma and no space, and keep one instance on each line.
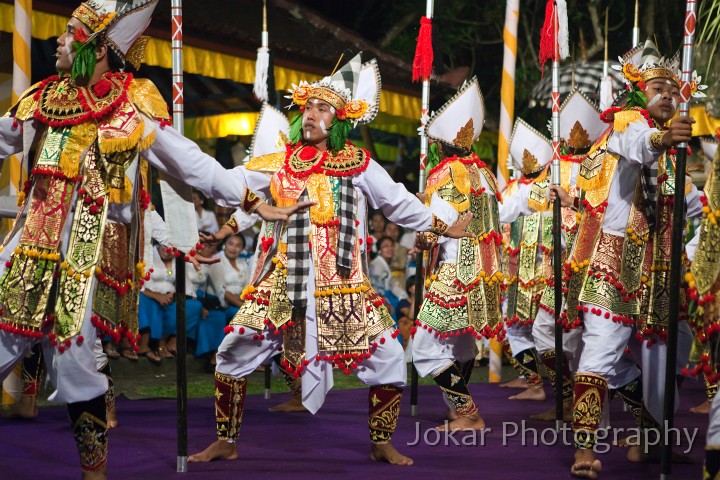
(611,259)
(462,302)
(309,294)
(71,265)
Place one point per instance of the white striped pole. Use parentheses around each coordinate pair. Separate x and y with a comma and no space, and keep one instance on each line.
(12,175)
(507,88)
(178,119)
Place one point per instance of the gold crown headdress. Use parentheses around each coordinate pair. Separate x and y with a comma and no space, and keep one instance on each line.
(353,91)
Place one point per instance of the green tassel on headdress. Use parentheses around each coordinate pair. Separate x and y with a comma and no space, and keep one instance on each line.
(338,133)
(83,65)
(636,98)
(296,129)
(433,157)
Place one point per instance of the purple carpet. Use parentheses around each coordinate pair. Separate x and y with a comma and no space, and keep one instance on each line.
(332,444)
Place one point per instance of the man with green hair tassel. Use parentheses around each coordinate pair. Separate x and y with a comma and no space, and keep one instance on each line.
(310,295)
(71,268)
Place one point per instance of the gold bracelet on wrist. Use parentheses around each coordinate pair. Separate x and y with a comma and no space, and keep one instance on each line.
(438,227)
(656,141)
(425,240)
(232,225)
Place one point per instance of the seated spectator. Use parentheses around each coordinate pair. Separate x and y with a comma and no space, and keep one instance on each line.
(206,220)
(381,275)
(235,275)
(157,319)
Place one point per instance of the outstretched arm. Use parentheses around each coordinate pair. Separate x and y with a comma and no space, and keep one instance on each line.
(10,138)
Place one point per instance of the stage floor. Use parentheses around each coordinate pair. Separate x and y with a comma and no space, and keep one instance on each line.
(335,443)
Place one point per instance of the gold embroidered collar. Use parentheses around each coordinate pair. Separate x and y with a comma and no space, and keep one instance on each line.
(62,103)
(303,160)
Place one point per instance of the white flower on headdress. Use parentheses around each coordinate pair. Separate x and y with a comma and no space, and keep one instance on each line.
(299,94)
(695,87)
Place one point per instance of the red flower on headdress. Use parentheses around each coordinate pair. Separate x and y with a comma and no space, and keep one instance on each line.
(80,36)
(641,85)
(102,87)
(340,114)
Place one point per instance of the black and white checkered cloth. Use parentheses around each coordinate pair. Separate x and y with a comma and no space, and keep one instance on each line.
(346,234)
(585,75)
(650,185)
(298,256)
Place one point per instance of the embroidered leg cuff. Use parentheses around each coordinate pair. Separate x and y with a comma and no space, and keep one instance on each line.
(466,369)
(384,409)
(710,389)
(712,462)
(632,395)
(89,427)
(110,394)
(528,364)
(33,371)
(548,359)
(589,390)
(513,363)
(229,401)
(455,389)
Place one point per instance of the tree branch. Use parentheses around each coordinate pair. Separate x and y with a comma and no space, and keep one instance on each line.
(397,29)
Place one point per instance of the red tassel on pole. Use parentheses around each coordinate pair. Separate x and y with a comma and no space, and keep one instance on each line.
(422,64)
(547,37)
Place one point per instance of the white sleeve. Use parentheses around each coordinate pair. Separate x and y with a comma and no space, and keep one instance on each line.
(515,205)
(181,158)
(634,143)
(692,201)
(10,138)
(245,220)
(692,245)
(444,211)
(392,199)
(159,229)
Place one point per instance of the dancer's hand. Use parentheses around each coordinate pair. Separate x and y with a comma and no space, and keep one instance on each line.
(217,237)
(557,191)
(680,130)
(457,229)
(274,214)
(198,260)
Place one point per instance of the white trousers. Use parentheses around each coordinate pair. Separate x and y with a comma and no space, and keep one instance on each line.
(543,333)
(432,355)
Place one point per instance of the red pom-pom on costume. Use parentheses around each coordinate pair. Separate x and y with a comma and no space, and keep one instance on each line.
(102,87)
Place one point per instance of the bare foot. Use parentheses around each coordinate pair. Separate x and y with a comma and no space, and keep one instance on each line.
(219,449)
(536,393)
(385,452)
(519,382)
(111,415)
(451,414)
(25,408)
(292,405)
(474,422)
(100,474)
(653,454)
(586,465)
(703,408)
(549,414)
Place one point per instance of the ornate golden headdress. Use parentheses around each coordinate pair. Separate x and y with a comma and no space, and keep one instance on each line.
(120,24)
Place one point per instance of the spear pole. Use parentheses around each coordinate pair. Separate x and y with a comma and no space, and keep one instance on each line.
(181,355)
(636,25)
(676,246)
(422,68)
(557,223)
